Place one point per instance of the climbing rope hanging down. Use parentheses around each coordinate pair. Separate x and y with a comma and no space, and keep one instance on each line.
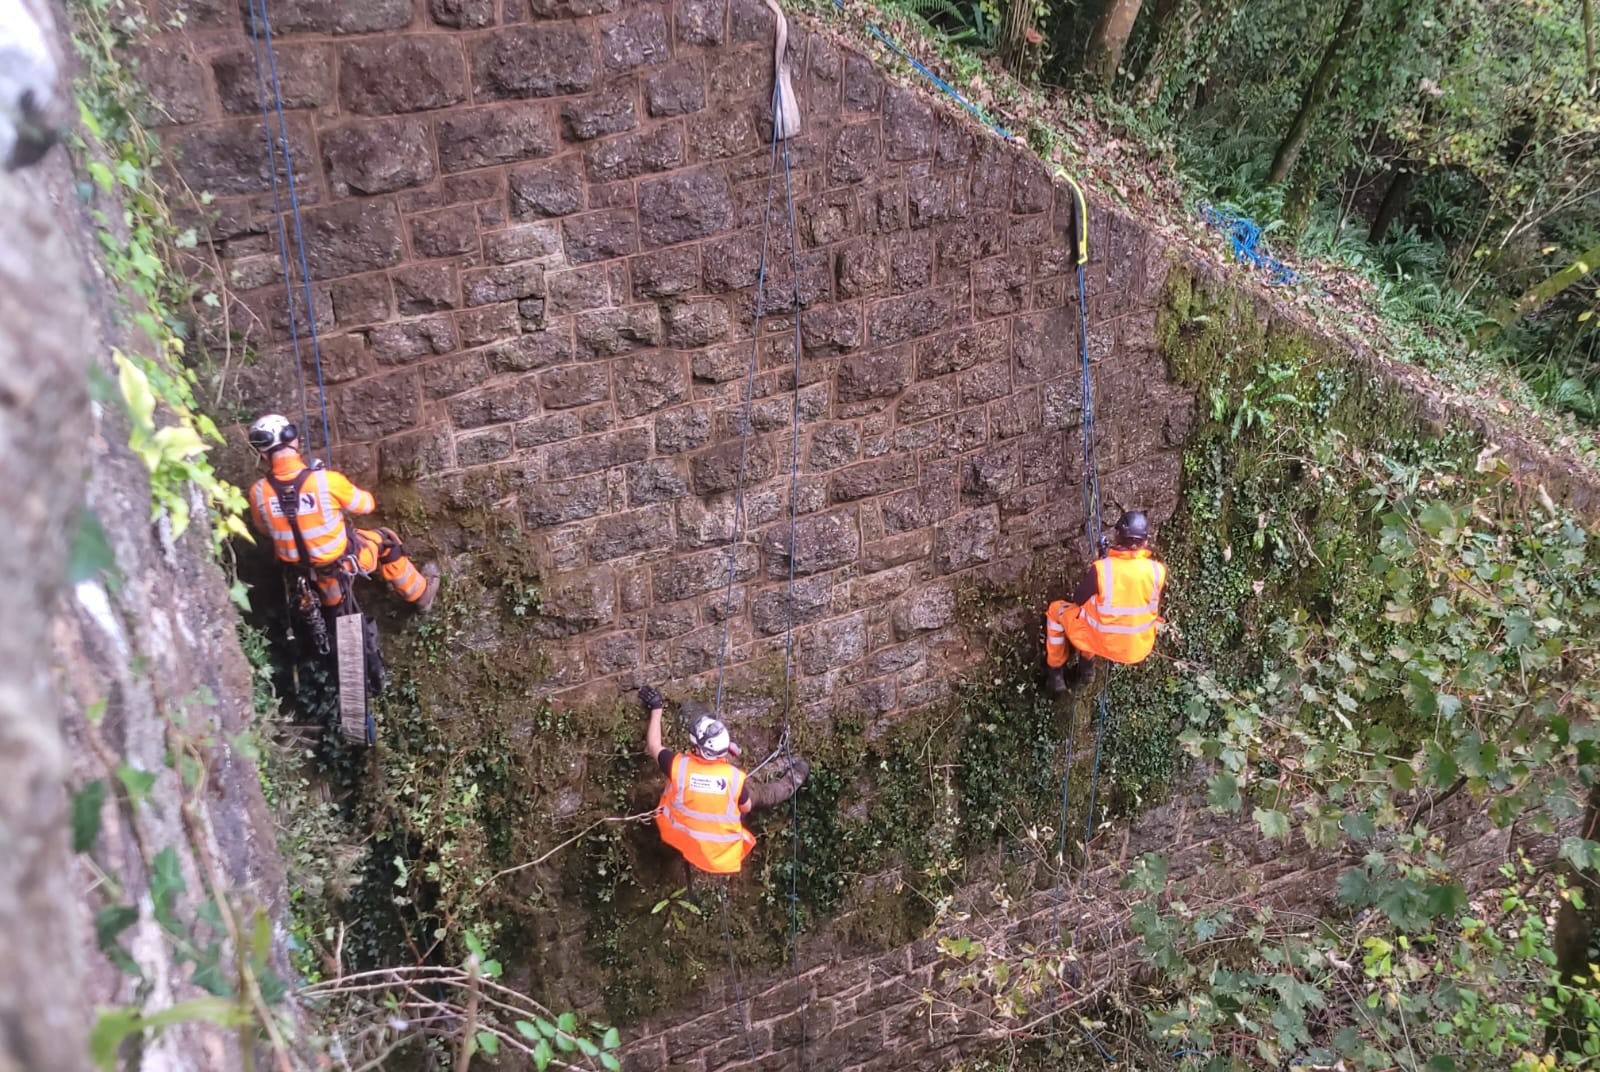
(265,61)
(1092,529)
(784,747)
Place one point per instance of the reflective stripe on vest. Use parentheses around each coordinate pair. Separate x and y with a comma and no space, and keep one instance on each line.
(322,527)
(714,841)
(1136,575)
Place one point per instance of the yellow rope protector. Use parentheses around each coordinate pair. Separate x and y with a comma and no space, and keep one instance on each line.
(1080,217)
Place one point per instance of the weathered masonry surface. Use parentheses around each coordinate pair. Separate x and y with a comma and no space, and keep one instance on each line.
(535,236)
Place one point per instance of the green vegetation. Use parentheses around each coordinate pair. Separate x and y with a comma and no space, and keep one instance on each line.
(1433,166)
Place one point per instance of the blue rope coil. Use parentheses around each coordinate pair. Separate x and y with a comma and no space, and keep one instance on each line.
(1245,235)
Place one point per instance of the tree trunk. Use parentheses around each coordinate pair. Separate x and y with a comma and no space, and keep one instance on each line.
(1110,37)
(1017,36)
(1164,26)
(1588,45)
(1395,200)
(1586,262)
(1317,93)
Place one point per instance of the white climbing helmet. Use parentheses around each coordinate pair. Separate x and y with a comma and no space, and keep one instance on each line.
(272,431)
(710,738)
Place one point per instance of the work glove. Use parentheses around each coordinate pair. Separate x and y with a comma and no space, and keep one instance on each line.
(650,698)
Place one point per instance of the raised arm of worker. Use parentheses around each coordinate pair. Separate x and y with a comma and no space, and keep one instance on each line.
(352,499)
(650,698)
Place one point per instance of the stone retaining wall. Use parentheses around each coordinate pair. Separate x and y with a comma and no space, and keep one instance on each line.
(534,239)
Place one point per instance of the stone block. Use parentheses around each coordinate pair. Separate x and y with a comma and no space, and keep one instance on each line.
(462,14)
(361,300)
(523,242)
(822,542)
(880,374)
(598,236)
(673,91)
(510,282)
(1042,345)
(534,61)
(231,157)
(532,350)
(610,111)
(553,189)
(895,320)
(425,288)
(923,401)
(452,375)
(854,153)
(378,406)
(645,384)
(751,20)
(718,469)
(867,479)
(401,74)
(446,233)
(632,532)
(683,429)
(670,621)
(910,268)
(610,332)
(644,153)
(936,198)
(351,238)
(492,405)
(377,156)
(962,349)
(497,134)
(700,22)
(923,610)
(693,575)
(828,646)
(665,273)
(550,428)
(575,603)
(1015,416)
(635,39)
(862,270)
(573,386)
(558,502)
(999,285)
(570,9)
(614,654)
(830,329)
(908,132)
(833,445)
(594,453)
(404,341)
(728,133)
(966,540)
(895,551)
(1032,190)
(340,17)
(919,507)
(775,611)
(481,448)
(984,383)
(578,290)
(693,324)
(656,481)
(344,358)
(415,454)
(685,206)
(175,82)
(989,476)
(733,262)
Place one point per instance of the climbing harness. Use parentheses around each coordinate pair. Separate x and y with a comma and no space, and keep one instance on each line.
(1245,236)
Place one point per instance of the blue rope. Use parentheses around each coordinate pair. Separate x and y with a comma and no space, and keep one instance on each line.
(930,76)
(1245,236)
(263,34)
(277,214)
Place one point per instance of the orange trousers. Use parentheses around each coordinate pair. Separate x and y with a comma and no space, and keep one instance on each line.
(377,550)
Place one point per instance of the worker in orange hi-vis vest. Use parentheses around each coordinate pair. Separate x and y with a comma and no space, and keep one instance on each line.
(1114,610)
(306,508)
(706,797)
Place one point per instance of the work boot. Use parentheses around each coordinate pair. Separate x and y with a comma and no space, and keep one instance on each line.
(430,573)
(1082,672)
(1055,682)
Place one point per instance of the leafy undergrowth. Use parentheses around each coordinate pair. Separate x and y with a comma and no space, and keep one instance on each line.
(1369,297)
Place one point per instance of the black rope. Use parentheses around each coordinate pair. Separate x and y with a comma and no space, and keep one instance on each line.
(733,969)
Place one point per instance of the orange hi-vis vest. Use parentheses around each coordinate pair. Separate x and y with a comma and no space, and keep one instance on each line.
(313,500)
(1119,623)
(699,814)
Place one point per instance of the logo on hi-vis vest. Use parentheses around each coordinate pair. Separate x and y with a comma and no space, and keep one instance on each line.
(706,783)
(308,503)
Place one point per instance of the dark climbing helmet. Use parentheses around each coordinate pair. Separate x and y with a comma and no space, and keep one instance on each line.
(271,432)
(709,736)
(1133,529)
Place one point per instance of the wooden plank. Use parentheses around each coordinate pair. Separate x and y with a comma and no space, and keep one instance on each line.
(352,679)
